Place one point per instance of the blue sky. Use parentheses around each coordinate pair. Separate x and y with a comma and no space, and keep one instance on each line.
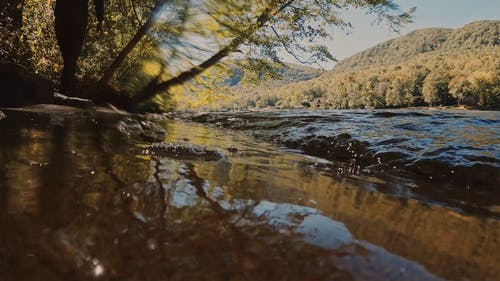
(429,13)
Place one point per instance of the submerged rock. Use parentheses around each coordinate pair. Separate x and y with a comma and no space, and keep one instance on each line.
(183,151)
(152,131)
(481,176)
(144,129)
(341,147)
(20,87)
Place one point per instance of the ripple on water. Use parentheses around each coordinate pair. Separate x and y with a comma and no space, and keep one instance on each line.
(432,146)
(102,209)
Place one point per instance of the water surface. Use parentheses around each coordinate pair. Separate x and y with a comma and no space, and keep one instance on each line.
(82,198)
(449,157)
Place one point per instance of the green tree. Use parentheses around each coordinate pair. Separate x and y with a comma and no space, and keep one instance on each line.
(152,47)
(485,86)
(435,88)
(12,44)
(461,89)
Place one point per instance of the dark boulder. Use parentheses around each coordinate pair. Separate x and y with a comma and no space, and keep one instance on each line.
(341,147)
(182,151)
(20,87)
(144,130)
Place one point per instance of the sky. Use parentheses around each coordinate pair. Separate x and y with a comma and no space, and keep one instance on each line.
(430,13)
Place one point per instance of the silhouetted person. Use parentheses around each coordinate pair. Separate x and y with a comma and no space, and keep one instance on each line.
(71,19)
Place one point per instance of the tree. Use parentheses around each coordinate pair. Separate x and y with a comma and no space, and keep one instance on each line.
(12,45)
(485,86)
(460,89)
(182,39)
(435,89)
(473,75)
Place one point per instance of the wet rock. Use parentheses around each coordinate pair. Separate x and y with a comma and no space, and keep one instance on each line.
(392,156)
(152,131)
(483,176)
(183,151)
(143,129)
(390,114)
(163,116)
(341,147)
(20,87)
(225,121)
(73,101)
(129,127)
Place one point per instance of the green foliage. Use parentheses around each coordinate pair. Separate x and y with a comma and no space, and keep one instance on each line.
(152,47)
(12,44)
(435,89)
(39,35)
(434,67)
(473,36)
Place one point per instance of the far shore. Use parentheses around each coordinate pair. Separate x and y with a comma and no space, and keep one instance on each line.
(450,108)
(111,109)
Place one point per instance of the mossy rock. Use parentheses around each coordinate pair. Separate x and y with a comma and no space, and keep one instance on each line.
(21,87)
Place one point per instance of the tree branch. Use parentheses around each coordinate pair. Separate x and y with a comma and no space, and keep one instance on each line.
(290,52)
(187,75)
(141,32)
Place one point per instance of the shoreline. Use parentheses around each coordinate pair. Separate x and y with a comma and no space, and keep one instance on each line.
(112,109)
(444,108)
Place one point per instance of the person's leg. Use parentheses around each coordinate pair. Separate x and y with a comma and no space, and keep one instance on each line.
(71,18)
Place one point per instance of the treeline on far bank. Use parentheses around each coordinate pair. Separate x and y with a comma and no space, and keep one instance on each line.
(429,67)
(470,79)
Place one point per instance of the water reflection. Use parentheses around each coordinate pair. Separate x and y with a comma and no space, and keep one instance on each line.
(445,157)
(97,207)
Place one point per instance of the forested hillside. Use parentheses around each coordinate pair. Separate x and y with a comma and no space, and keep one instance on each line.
(471,37)
(433,67)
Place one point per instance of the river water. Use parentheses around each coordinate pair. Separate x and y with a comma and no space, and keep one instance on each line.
(341,195)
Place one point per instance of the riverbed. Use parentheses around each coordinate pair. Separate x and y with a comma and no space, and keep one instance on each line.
(249,196)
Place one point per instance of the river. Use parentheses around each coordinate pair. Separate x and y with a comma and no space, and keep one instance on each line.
(322,195)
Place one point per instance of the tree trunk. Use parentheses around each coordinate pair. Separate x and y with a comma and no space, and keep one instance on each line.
(141,32)
(110,72)
(154,89)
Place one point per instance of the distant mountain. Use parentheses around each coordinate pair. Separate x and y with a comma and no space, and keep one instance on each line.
(428,67)
(474,36)
(288,74)
(218,95)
